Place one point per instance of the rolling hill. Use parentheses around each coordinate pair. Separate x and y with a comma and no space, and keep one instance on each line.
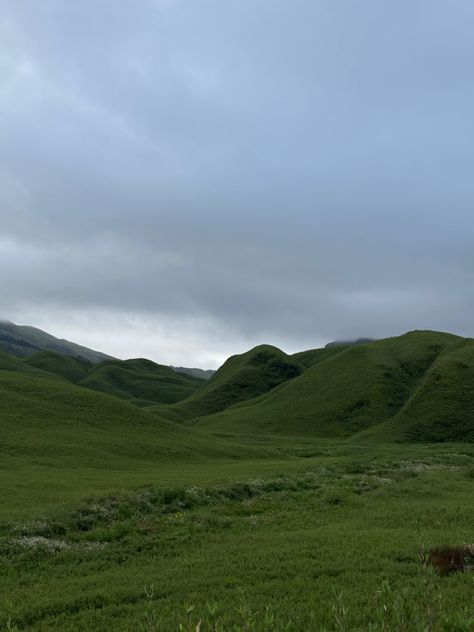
(413,387)
(24,341)
(240,378)
(140,381)
(52,423)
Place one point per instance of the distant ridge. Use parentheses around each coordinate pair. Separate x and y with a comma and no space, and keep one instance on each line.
(344,343)
(24,341)
(204,374)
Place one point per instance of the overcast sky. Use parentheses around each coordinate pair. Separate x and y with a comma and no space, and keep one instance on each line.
(184,179)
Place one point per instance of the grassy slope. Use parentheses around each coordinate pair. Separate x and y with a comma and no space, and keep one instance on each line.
(11,363)
(140,381)
(442,406)
(56,434)
(240,378)
(23,341)
(57,423)
(362,386)
(72,369)
(315,356)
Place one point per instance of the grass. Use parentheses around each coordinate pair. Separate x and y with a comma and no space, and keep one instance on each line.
(240,378)
(413,387)
(61,430)
(292,510)
(139,381)
(336,543)
(24,341)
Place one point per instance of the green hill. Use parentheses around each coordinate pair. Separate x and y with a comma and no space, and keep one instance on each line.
(72,369)
(47,422)
(423,377)
(314,356)
(140,381)
(240,378)
(442,406)
(414,387)
(23,341)
(12,363)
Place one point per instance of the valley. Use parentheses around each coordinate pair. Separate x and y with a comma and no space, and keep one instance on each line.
(287,492)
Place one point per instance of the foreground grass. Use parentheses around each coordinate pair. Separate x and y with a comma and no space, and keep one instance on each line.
(332,541)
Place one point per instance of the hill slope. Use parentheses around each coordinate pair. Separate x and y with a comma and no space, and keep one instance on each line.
(24,341)
(205,374)
(240,378)
(442,406)
(47,422)
(16,365)
(140,381)
(70,368)
(425,377)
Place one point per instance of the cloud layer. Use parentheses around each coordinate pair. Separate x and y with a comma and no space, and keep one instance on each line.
(184,179)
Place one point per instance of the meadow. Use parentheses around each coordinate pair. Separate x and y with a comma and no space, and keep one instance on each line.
(333,541)
(115,518)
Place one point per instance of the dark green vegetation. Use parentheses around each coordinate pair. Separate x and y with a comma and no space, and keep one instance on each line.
(334,542)
(296,493)
(414,387)
(240,378)
(139,381)
(23,341)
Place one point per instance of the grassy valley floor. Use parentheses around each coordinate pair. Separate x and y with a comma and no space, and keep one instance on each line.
(328,536)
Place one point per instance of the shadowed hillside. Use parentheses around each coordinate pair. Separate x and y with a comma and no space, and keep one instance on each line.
(140,381)
(414,387)
(424,376)
(70,368)
(240,378)
(442,406)
(17,365)
(24,341)
(314,356)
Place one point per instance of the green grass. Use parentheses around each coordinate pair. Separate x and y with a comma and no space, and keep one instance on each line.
(24,341)
(314,356)
(16,365)
(142,381)
(308,507)
(139,381)
(53,431)
(442,407)
(333,544)
(365,386)
(72,369)
(240,378)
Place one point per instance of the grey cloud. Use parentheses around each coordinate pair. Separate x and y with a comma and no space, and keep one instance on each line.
(289,171)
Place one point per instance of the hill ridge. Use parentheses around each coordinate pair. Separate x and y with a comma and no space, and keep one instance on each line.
(377,381)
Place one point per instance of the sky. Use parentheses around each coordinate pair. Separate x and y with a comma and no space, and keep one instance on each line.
(184,179)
